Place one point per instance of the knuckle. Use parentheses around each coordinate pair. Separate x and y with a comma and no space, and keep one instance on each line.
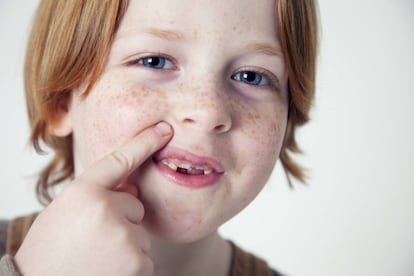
(120,159)
(134,204)
(139,208)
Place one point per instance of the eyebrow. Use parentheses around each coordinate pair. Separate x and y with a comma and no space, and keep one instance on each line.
(264,48)
(165,34)
(173,35)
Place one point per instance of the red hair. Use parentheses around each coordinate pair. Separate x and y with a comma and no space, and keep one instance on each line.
(70,42)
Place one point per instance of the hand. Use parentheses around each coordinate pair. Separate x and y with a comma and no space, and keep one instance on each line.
(91,229)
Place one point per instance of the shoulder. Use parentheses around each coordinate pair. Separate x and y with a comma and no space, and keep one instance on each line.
(13,232)
(247,264)
(275,273)
(3,236)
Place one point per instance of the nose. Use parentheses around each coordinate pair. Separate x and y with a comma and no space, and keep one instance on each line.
(205,109)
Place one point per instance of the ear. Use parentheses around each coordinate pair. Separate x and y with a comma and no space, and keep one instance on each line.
(61,123)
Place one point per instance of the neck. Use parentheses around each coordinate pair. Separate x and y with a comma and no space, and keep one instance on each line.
(209,256)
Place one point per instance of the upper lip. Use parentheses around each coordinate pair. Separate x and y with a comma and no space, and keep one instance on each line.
(193,159)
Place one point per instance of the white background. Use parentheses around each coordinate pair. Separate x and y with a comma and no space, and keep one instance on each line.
(356,216)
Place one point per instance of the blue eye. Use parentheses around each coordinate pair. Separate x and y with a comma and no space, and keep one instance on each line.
(251,78)
(156,62)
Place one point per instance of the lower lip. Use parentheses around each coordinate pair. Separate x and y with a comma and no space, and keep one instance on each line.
(186,180)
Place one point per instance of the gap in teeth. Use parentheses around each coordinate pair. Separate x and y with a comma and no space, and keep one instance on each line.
(185,166)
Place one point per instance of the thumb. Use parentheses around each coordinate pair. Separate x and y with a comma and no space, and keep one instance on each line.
(116,166)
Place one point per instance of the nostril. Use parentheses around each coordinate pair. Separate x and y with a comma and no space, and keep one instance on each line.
(220,128)
(188,120)
(208,123)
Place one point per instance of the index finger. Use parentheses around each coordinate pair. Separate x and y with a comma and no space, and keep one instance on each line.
(116,166)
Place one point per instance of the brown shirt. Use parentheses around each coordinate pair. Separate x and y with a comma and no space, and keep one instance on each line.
(12,234)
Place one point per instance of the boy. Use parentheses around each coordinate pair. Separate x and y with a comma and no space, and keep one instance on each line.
(169,117)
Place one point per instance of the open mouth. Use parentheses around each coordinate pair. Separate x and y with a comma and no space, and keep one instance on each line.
(187,168)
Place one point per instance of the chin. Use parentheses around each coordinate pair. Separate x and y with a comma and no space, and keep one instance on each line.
(179,228)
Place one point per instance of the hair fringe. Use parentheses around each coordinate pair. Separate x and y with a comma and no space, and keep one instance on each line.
(60,58)
(299,41)
(56,171)
(63,52)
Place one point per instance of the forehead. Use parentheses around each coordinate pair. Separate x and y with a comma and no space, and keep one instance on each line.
(200,17)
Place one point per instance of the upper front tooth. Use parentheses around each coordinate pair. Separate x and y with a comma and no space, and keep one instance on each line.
(170,165)
(185,166)
(208,171)
(205,169)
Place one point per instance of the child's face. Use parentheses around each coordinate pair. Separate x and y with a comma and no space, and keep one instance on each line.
(214,71)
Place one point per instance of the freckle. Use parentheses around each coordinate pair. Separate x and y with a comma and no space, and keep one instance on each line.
(137,99)
(198,148)
(144,91)
(160,93)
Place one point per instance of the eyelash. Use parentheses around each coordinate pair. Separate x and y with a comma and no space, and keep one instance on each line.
(142,62)
(260,74)
(263,74)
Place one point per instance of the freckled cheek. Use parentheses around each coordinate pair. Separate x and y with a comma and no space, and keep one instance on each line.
(261,139)
(261,136)
(265,128)
(116,119)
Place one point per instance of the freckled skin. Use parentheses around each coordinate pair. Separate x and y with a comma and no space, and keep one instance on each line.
(240,125)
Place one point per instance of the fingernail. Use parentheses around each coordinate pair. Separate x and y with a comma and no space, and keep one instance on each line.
(163,129)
